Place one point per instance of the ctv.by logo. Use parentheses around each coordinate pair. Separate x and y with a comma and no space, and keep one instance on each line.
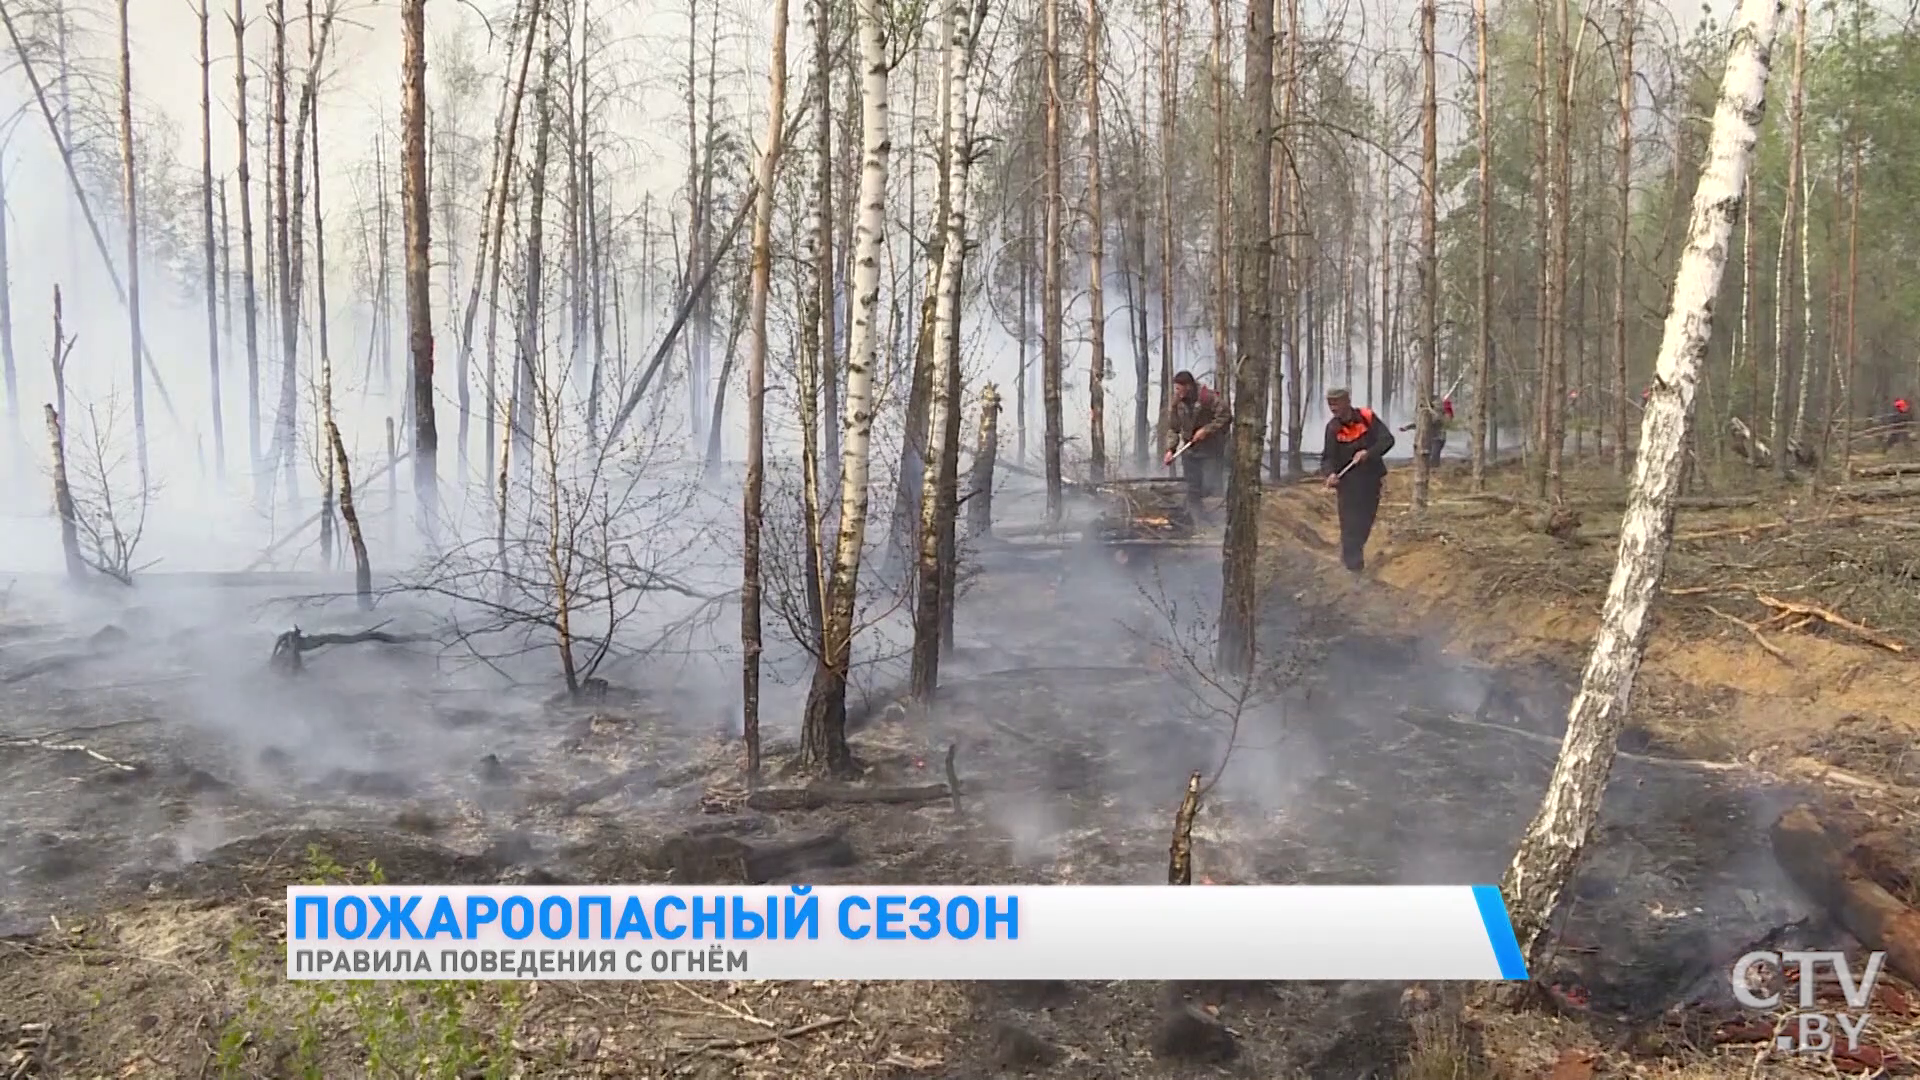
(1813,1031)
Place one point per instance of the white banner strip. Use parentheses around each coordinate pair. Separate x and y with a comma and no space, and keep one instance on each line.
(1074,932)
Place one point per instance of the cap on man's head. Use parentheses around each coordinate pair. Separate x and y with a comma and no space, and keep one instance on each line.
(1184,378)
(1339,394)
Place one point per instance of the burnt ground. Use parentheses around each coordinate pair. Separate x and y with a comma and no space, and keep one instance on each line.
(139,894)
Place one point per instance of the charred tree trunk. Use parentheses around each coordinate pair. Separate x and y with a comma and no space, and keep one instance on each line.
(1622,236)
(937,507)
(1222,197)
(128,178)
(817,326)
(212,263)
(985,457)
(416,221)
(249,287)
(1170,40)
(1483,397)
(533,307)
(1096,259)
(750,643)
(1051,317)
(1428,375)
(1239,602)
(1550,850)
(493,224)
(6,329)
(284,452)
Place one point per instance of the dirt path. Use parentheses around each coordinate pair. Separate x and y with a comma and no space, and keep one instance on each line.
(1801,695)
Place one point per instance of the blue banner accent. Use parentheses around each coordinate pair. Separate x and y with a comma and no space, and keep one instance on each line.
(1506,947)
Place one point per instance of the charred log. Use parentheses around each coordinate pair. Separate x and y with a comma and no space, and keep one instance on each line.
(729,860)
(290,647)
(1817,860)
(817,796)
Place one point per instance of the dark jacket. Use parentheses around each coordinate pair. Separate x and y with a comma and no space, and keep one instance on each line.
(1365,431)
(1204,413)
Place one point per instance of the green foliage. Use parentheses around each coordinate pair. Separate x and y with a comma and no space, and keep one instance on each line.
(401,1030)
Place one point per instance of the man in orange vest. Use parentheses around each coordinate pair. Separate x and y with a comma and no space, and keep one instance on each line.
(1353,459)
(1901,423)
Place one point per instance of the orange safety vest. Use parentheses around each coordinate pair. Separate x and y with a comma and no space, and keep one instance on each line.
(1355,429)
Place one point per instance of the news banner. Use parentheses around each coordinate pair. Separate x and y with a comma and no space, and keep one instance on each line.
(1070,932)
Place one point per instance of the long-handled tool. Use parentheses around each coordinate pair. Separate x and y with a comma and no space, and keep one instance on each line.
(1183,448)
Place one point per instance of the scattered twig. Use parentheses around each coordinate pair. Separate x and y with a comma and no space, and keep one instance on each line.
(1810,611)
(737,1014)
(43,744)
(802,1031)
(1757,635)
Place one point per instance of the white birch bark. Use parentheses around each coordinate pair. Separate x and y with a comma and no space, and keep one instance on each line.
(827,701)
(1550,850)
(955,112)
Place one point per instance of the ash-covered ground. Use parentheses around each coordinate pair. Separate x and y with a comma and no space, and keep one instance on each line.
(160,755)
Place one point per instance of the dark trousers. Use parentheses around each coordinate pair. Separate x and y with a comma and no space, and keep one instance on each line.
(1205,475)
(1436,445)
(1359,497)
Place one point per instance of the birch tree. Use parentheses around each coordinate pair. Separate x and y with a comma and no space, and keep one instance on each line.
(823,740)
(937,505)
(1550,850)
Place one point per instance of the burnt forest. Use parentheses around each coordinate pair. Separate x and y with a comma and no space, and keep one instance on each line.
(553,442)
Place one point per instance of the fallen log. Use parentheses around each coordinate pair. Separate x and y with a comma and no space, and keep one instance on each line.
(289,647)
(818,796)
(1887,489)
(1816,859)
(727,860)
(1883,856)
(1898,468)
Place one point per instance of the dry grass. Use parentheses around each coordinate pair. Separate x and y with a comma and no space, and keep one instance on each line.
(1444,1048)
